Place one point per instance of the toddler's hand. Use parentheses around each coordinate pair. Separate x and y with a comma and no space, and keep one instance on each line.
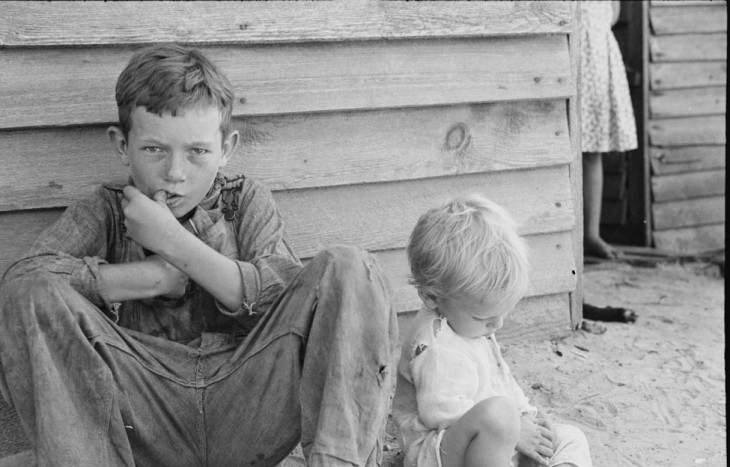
(550,434)
(148,222)
(535,441)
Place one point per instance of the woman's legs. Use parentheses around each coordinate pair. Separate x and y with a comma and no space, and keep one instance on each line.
(593,244)
(485,436)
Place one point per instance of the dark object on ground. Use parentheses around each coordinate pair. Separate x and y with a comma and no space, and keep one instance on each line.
(592,327)
(608,313)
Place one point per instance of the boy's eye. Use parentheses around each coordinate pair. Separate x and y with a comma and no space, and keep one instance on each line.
(152,149)
(198,151)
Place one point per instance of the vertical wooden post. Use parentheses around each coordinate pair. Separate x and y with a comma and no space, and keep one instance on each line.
(637,58)
(641,124)
(576,168)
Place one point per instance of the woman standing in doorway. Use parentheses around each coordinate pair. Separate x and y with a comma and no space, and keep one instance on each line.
(607,118)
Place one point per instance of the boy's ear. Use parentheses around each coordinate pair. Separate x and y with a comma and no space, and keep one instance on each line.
(429,300)
(229,147)
(119,143)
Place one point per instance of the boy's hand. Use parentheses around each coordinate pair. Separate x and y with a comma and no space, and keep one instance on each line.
(536,439)
(149,222)
(172,282)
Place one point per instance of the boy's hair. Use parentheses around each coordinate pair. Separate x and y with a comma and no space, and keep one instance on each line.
(469,245)
(171,78)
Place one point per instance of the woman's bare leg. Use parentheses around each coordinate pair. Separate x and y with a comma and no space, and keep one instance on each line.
(593,244)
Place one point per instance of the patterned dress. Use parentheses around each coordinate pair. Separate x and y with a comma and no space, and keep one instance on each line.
(607,117)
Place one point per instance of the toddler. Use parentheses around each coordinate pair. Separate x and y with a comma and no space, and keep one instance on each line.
(456,402)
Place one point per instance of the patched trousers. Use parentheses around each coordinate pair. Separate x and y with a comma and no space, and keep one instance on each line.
(317,368)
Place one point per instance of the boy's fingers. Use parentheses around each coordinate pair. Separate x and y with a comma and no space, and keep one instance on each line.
(131,191)
(160,197)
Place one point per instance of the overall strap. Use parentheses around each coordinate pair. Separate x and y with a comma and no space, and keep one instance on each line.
(230,193)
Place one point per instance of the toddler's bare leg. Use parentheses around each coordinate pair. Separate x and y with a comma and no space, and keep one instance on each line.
(485,436)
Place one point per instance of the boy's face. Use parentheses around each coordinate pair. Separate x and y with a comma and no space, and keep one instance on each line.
(179,155)
(470,315)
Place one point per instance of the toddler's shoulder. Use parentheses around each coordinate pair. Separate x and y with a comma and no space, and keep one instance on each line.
(424,330)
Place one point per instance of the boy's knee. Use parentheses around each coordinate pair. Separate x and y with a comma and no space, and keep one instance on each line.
(498,417)
(341,254)
(349,262)
(25,291)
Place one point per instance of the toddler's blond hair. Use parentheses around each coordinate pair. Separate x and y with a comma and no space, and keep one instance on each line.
(469,245)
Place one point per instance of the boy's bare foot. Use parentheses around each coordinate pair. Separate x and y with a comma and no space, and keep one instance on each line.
(599,248)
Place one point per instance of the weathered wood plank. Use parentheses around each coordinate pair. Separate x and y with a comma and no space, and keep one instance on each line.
(688,213)
(692,239)
(534,319)
(575,298)
(687,74)
(687,131)
(685,3)
(686,159)
(688,47)
(688,185)
(688,102)
(380,216)
(59,166)
(689,19)
(76,86)
(551,260)
(26,24)
(374,216)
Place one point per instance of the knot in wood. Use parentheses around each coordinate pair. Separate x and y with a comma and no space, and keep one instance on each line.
(457,136)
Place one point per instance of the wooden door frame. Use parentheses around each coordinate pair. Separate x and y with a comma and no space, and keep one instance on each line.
(637,228)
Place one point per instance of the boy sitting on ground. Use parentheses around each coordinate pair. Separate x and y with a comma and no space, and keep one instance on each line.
(167,322)
(456,403)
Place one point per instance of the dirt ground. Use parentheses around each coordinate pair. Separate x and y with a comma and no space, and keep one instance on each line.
(650,393)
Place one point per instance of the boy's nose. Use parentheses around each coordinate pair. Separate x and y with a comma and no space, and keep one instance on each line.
(175,168)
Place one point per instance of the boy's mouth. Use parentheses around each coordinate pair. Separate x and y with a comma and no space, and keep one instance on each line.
(172,199)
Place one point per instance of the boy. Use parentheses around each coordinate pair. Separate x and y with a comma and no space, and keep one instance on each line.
(456,403)
(167,322)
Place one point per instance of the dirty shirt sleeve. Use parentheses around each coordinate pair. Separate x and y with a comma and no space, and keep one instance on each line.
(266,262)
(445,378)
(73,247)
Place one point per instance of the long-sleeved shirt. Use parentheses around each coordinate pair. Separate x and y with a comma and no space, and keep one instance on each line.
(237,218)
(441,375)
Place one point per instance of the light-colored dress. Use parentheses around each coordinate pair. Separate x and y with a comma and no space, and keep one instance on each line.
(607,117)
(441,375)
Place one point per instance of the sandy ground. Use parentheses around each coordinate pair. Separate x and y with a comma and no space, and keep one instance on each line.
(646,394)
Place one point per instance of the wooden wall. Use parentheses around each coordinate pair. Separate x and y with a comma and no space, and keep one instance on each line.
(686,125)
(358,115)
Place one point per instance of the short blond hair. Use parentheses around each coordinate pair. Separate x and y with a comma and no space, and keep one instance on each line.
(469,245)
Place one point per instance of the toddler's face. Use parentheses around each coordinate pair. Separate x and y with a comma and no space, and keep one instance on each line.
(471,315)
(179,155)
